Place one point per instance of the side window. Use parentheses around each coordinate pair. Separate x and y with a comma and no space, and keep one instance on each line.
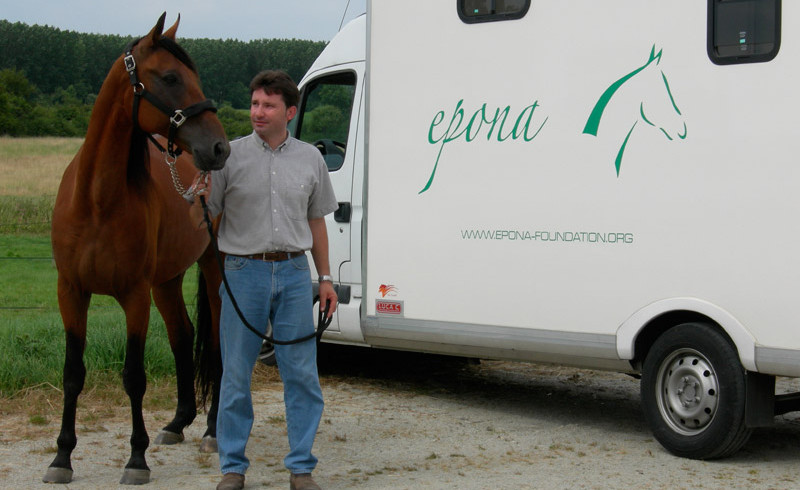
(323,118)
(473,11)
(743,31)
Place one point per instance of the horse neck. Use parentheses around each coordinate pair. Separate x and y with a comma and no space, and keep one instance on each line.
(102,176)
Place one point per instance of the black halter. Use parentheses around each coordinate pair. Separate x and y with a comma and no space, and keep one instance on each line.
(176,116)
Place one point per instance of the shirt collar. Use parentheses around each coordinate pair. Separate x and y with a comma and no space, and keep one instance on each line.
(265,146)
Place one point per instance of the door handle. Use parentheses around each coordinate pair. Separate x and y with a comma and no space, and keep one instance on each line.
(342,215)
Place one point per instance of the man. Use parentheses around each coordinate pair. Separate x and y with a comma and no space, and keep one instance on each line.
(273,193)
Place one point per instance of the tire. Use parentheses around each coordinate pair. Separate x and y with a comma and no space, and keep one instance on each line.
(693,393)
(267,354)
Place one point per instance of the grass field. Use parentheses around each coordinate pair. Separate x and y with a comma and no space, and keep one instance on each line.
(31,332)
(33,166)
(30,171)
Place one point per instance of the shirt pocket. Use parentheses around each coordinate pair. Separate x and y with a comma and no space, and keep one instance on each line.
(297,199)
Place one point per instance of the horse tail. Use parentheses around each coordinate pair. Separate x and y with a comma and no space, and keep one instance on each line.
(206,358)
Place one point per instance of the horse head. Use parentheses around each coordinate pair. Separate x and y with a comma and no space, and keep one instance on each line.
(660,110)
(656,106)
(167,98)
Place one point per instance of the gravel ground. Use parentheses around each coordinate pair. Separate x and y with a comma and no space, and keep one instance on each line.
(407,421)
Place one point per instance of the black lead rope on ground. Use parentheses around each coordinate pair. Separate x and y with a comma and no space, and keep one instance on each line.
(322,321)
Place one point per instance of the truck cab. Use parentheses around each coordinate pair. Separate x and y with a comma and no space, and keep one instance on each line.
(331,117)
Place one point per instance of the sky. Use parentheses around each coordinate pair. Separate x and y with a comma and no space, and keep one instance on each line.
(316,20)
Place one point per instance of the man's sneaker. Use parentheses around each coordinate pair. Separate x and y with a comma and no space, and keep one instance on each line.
(303,481)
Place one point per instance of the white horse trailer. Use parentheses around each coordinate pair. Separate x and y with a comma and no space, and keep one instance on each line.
(605,184)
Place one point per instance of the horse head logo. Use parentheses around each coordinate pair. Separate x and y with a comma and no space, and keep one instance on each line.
(656,109)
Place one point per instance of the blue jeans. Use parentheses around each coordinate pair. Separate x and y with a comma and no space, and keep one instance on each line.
(281,293)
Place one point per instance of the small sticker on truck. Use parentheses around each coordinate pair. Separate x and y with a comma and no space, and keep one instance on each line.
(387,307)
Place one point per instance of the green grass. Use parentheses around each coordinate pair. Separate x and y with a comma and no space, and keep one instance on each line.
(32,341)
(32,350)
(30,172)
(32,167)
(27,273)
(20,148)
(26,214)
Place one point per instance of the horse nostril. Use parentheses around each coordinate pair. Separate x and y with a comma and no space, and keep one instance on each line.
(222,149)
(221,152)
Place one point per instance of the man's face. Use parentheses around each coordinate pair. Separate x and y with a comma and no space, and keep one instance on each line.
(269,115)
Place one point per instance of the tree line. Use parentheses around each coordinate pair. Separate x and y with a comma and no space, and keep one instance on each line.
(49,78)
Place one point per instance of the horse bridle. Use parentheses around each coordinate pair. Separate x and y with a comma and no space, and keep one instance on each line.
(176,116)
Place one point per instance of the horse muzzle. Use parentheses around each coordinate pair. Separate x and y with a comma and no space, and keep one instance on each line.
(211,156)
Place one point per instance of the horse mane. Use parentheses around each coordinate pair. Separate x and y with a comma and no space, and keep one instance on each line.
(139,152)
(138,158)
(593,123)
(177,51)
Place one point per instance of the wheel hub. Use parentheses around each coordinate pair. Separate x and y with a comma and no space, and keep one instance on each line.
(688,391)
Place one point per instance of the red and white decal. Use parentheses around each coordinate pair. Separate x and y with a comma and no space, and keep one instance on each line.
(385,307)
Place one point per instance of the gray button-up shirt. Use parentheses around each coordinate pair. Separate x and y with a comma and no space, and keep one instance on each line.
(267,196)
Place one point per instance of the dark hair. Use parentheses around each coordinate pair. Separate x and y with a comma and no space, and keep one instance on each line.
(276,82)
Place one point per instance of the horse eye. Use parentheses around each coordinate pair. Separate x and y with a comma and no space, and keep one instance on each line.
(171,79)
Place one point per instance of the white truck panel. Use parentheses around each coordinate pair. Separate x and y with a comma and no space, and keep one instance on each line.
(709,216)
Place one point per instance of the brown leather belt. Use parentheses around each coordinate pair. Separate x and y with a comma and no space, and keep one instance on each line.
(273,256)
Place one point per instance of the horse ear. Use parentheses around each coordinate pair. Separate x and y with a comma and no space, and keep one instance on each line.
(170,33)
(155,34)
(654,55)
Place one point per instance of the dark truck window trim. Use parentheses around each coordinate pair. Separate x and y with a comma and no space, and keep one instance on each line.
(476,11)
(743,31)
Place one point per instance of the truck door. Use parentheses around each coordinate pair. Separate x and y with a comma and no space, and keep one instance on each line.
(324,120)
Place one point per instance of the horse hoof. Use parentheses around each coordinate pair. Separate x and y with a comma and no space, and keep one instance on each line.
(208,445)
(168,438)
(133,476)
(57,475)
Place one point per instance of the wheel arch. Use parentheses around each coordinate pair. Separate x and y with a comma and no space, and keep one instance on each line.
(636,335)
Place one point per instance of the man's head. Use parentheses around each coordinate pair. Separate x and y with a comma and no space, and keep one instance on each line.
(273,103)
(276,82)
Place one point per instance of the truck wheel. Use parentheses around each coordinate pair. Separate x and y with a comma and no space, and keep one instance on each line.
(693,393)
(267,354)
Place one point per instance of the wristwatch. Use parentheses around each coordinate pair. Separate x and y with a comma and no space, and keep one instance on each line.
(325,278)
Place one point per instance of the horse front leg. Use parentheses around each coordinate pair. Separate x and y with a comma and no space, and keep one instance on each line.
(137,316)
(168,298)
(74,306)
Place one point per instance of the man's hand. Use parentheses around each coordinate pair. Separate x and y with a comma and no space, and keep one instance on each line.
(201,186)
(327,293)
(319,251)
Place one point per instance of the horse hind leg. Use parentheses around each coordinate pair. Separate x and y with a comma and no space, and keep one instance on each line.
(210,362)
(74,306)
(168,298)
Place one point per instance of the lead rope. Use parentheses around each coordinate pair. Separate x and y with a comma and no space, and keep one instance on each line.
(323,320)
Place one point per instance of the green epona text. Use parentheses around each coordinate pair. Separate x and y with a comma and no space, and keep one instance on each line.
(483,122)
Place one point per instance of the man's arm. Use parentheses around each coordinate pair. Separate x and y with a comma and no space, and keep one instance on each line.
(319,251)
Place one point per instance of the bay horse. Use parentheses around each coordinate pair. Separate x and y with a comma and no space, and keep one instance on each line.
(120,228)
